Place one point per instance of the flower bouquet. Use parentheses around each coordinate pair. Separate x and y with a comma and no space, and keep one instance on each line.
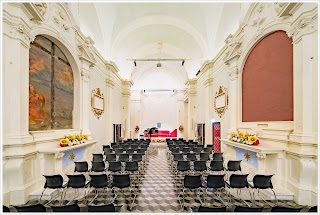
(245,138)
(71,140)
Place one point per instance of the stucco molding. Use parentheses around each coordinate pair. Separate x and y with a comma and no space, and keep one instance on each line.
(85,75)
(305,24)
(86,52)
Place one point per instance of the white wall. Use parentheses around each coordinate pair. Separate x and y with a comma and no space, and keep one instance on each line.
(159,107)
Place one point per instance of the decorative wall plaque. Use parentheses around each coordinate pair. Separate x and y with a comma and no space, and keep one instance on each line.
(221,101)
(97,102)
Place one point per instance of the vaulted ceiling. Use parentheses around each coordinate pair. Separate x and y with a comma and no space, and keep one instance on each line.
(191,31)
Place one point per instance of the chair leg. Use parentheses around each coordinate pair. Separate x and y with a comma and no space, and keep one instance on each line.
(275,196)
(41,195)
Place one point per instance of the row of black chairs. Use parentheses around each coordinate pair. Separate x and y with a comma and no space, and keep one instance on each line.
(283,209)
(64,208)
(102,181)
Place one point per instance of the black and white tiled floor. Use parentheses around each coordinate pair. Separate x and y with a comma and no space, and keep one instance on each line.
(157,192)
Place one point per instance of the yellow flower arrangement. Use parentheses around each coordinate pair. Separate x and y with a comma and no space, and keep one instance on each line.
(240,134)
(245,135)
(70,137)
(86,137)
(64,142)
(78,136)
(232,135)
(252,139)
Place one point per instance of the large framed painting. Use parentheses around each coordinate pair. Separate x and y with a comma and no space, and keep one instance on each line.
(97,102)
(221,101)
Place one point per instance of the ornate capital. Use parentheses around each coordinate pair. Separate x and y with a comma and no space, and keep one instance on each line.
(85,74)
(110,82)
(261,156)
(86,52)
(233,74)
(58,155)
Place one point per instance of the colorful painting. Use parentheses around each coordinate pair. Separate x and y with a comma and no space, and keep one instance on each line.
(50,87)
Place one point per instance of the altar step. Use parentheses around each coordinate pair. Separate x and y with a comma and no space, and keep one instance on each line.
(280,193)
(47,194)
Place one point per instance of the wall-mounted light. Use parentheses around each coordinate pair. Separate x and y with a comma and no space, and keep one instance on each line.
(135,63)
(182,63)
(159,64)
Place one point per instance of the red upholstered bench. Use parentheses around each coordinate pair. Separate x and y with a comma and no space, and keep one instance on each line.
(163,133)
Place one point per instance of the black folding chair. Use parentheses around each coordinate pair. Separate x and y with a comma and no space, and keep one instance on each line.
(98,166)
(31,208)
(262,182)
(247,209)
(285,209)
(99,182)
(216,166)
(54,182)
(81,167)
(77,182)
(217,183)
(66,208)
(238,182)
(191,182)
(115,166)
(97,157)
(122,182)
(205,209)
(101,208)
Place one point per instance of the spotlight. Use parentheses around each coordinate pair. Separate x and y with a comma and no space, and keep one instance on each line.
(159,64)
(135,63)
(182,62)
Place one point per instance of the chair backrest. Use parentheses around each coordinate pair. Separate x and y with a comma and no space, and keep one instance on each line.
(248,209)
(98,166)
(217,156)
(205,156)
(53,181)
(118,151)
(239,181)
(191,156)
(313,209)
(192,181)
(183,165)
(216,165)
(66,208)
(31,208)
(212,209)
(5,208)
(111,157)
(97,157)
(197,149)
(286,209)
(114,166)
(107,150)
(101,208)
(81,166)
(175,150)
(200,165)
(124,157)
(262,181)
(121,181)
(129,151)
(132,166)
(99,181)
(234,165)
(105,147)
(76,181)
(137,157)
(215,181)
(207,149)
(177,156)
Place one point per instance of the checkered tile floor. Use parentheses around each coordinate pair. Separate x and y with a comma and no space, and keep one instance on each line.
(157,192)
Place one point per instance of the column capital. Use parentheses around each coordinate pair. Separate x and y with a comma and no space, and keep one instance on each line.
(109,81)
(85,75)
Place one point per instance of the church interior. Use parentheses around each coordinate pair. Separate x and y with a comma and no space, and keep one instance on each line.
(159,107)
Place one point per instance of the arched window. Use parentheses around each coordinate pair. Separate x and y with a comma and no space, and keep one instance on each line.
(51,87)
(267,80)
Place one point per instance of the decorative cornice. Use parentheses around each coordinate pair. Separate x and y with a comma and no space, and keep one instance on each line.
(208,81)
(37,10)
(110,82)
(128,83)
(233,51)
(18,29)
(86,52)
(305,24)
(112,66)
(206,65)
(190,82)
(286,9)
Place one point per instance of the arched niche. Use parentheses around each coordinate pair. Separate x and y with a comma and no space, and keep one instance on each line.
(67,50)
(267,80)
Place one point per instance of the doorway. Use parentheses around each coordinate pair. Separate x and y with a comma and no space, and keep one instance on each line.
(216,135)
(201,133)
(117,137)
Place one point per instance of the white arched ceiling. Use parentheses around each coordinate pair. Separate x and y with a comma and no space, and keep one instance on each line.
(87,16)
(195,31)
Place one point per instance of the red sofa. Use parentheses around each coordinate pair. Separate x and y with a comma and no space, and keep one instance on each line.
(164,133)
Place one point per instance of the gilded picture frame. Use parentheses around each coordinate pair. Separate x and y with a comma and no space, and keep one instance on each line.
(97,102)
(221,101)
